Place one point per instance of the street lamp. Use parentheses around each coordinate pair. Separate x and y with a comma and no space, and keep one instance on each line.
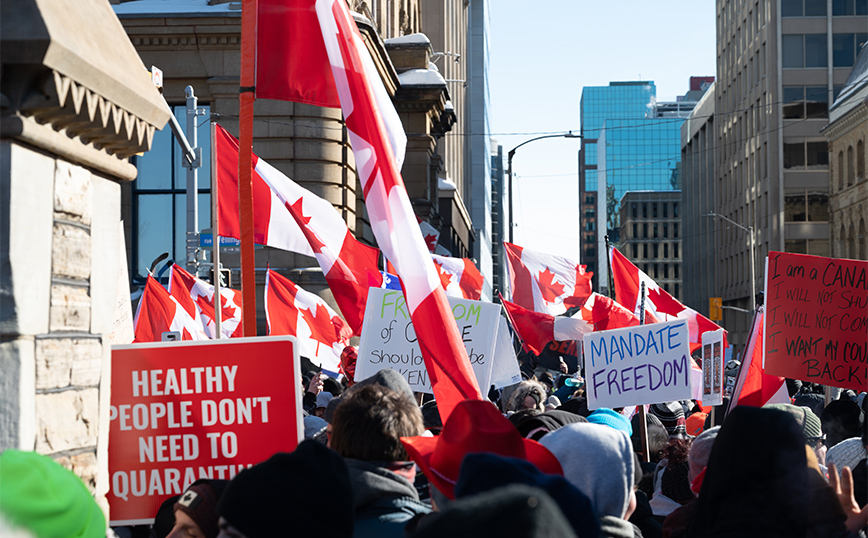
(568,134)
(750,231)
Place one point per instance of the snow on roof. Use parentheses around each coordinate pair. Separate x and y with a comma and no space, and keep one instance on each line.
(156,8)
(411,39)
(421,77)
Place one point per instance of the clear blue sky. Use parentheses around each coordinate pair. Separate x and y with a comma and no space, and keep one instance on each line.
(543,53)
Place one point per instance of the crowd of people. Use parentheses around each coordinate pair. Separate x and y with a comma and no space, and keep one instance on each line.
(534,461)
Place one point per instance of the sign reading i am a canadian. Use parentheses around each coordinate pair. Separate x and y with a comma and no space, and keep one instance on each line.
(182,411)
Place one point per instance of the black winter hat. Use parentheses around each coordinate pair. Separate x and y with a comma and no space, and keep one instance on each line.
(284,495)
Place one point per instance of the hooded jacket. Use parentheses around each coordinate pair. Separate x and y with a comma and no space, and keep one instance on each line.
(384,501)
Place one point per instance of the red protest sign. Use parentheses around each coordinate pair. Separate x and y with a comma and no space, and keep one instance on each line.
(816,323)
(182,411)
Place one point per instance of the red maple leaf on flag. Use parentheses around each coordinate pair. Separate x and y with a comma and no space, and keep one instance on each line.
(549,288)
(321,327)
(665,303)
(315,244)
(207,307)
(431,241)
(445,278)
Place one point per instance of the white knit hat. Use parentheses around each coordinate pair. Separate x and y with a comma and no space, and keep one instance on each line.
(847,453)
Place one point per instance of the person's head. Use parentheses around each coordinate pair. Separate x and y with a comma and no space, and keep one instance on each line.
(810,426)
(608,417)
(40,496)
(369,424)
(700,451)
(657,436)
(287,493)
(675,482)
(322,401)
(600,462)
(671,415)
(841,419)
(196,513)
(527,395)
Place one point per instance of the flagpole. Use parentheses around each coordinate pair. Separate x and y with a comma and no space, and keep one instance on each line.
(643,423)
(739,382)
(609,268)
(215,239)
(245,165)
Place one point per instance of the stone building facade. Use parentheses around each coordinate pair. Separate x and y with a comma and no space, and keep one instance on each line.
(73,111)
(848,135)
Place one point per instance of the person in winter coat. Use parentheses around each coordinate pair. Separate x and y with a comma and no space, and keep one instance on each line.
(527,395)
(366,430)
(599,461)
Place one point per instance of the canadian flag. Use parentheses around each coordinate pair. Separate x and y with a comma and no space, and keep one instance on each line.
(429,233)
(544,282)
(321,333)
(458,276)
(538,329)
(159,312)
(605,314)
(197,298)
(658,303)
(350,267)
(292,65)
(392,218)
(754,387)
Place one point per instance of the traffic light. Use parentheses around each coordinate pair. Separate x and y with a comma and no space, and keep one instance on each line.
(715,308)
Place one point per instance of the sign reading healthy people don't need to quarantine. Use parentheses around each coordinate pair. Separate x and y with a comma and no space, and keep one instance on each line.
(182,411)
(389,339)
(637,365)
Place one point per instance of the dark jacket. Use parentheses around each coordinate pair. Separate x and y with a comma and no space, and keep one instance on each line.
(384,501)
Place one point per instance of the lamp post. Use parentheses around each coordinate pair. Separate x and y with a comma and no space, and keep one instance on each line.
(568,134)
(750,231)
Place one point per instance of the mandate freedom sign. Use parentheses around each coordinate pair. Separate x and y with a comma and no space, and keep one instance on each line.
(389,340)
(816,322)
(182,411)
(637,365)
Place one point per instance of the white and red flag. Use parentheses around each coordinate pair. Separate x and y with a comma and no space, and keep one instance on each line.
(459,277)
(605,314)
(315,228)
(430,234)
(392,218)
(544,282)
(658,303)
(197,298)
(537,329)
(159,312)
(292,64)
(754,387)
(291,310)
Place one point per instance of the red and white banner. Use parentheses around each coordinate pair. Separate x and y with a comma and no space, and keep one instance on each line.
(349,266)
(289,309)
(537,329)
(659,305)
(430,234)
(197,298)
(292,65)
(182,411)
(605,314)
(392,218)
(544,282)
(158,312)
(754,387)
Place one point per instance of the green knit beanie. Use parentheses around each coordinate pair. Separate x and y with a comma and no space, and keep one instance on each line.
(36,493)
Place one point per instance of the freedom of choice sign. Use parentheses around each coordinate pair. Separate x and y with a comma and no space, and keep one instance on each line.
(182,411)
(638,365)
(389,340)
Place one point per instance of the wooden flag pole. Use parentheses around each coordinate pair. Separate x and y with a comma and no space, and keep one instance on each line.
(643,421)
(245,165)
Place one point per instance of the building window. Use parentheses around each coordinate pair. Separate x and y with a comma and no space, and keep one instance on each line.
(815,247)
(589,226)
(656,250)
(677,290)
(159,198)
(804,50)
(802,205)
(860,160)
(675,270)
(802,102)
(806,156)
(654,210)
(845,48)
(803,8)
(841,172)
(635,251)
(644,230)
(666,271)
(665,211)
(675,250)
(635,210)
(851,172)
(665,229)
(849,7)
(666,250)
(655,230)
(635,230)
(645,251)
(644,210)
(675,210)
(675,230)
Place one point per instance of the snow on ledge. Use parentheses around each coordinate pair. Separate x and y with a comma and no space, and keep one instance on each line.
(421,77)
(411,39)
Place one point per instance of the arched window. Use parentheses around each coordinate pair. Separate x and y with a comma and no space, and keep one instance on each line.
(842,242)
(851,171)
(860,160)
(841,171)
